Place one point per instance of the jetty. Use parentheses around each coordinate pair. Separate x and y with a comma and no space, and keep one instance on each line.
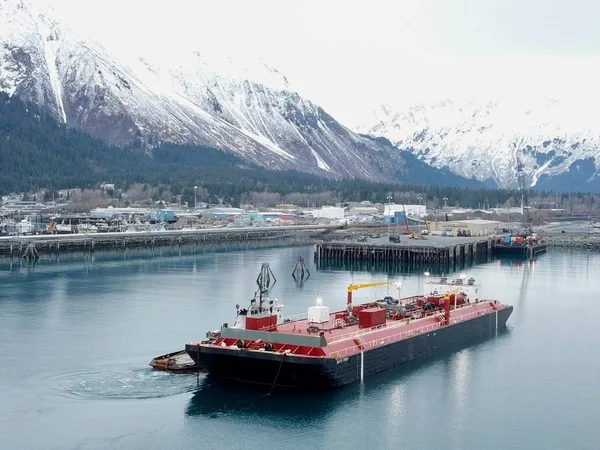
(437,253)
(31,247)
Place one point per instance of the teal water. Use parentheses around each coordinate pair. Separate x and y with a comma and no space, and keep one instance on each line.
(76,336)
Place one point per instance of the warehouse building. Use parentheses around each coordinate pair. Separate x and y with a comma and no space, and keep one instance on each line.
(411,210)
(328,212)
(475,227)
(222,213)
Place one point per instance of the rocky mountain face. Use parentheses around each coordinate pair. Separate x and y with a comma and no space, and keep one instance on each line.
(557,142)
(245,107)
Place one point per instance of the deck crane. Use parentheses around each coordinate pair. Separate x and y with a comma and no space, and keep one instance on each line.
(524,198)
(354,287)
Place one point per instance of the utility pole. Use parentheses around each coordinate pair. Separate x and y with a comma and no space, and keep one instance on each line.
(420,200)
(445,202)
(389,199)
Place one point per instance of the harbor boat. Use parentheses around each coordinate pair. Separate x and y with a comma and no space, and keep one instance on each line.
(328,349)
(178,361)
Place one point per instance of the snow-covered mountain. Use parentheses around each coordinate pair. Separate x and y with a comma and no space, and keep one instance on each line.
(243,105)
(557,142)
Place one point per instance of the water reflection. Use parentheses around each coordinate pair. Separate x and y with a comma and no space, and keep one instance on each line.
(133,254)
(388,267)
(219,398)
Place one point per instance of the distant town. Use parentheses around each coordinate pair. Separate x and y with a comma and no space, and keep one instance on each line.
(40,214)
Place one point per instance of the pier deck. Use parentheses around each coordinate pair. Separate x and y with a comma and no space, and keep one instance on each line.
(32,246)
(437,253)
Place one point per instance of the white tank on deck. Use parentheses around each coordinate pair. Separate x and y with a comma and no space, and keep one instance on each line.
(318,313)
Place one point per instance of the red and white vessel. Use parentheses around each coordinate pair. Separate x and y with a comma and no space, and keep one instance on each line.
(327,349)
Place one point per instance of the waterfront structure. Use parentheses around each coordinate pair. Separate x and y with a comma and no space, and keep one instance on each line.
(474,227)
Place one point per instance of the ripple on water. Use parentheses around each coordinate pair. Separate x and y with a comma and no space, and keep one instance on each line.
(126,384)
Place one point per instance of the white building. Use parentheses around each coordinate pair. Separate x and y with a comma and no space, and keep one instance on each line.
(411,210)
(476,227)
(365,210)
(329,212)
(110,212)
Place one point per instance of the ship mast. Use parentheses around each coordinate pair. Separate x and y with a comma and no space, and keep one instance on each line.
(524,198)
(264,283)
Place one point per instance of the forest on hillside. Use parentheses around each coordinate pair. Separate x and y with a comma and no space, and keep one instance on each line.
(38,154)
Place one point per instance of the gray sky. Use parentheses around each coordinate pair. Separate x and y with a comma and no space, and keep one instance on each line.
(351,55)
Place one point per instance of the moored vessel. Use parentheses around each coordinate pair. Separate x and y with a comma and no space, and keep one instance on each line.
(328,349)
(525,246)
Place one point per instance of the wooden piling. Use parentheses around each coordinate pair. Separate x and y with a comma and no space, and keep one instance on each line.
(441,259)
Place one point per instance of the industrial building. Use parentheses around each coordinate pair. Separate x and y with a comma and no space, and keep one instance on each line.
(364,210)
(112,212)
(411,210)
(328,212)
(476,227)
(266,216)
(222,213)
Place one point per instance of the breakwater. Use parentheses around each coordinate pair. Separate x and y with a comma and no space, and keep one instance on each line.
(31,247)
(586,241)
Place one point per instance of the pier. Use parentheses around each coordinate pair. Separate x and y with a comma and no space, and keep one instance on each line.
(439,255)
(31,247)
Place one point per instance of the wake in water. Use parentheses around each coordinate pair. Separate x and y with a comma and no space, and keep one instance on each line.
(133,384)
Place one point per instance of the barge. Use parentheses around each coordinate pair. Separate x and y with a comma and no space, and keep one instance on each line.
(325,349)
(520,246)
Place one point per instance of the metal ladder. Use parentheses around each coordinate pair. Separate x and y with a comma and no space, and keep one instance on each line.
(360,342)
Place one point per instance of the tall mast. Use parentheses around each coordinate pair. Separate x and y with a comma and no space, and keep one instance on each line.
(524,199)
(264,282)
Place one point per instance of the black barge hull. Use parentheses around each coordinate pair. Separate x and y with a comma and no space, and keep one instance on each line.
(520,250)
(271,368)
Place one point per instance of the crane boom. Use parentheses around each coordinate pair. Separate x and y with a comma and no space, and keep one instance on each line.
(354,287)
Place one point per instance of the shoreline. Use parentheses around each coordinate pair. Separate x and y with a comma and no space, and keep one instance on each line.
(576,241)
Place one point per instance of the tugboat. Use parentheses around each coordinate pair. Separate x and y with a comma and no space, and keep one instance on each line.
(325,349)
(175,362)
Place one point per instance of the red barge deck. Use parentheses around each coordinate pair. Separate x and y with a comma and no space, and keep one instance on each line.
(330,349)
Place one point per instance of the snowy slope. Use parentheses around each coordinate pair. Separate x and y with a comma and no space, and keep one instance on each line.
(482,139)
(243,106)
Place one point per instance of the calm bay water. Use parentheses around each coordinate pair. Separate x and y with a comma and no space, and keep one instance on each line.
(76,337)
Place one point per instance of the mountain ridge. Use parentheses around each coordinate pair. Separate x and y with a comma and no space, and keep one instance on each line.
(245,107)
(555,140)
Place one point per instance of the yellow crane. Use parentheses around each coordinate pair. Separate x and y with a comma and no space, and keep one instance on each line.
(354,287)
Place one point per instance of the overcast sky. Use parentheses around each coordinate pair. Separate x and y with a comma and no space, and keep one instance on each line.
(351,55)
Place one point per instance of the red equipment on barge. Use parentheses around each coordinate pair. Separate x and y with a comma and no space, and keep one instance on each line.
(324,349)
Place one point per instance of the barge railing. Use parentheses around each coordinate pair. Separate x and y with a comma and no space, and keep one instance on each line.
(295,318)
(403,334)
